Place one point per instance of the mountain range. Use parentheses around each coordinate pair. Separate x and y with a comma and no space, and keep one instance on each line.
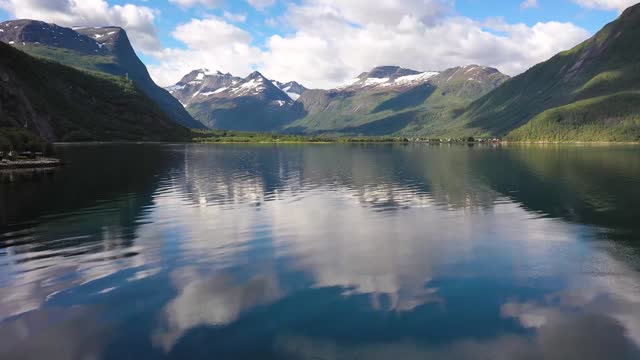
(382,101)
(224,101)
(588,93)
(393,100)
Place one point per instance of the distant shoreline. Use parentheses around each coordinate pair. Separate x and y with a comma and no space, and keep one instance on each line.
(339,141)
(30,164)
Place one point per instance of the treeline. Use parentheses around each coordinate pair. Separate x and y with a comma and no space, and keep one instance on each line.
(230,136)
(20,140)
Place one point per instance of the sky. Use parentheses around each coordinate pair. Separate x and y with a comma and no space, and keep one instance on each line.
(323,43)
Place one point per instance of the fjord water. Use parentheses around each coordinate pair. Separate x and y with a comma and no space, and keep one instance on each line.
(323,252)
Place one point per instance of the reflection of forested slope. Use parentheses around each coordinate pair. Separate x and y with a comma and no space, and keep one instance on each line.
(590,185)
(104,199)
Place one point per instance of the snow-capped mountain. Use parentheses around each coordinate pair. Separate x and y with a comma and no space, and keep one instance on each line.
(385,78)
(221,100)
(205,85)
(225,101)
(391,99)
(199,84)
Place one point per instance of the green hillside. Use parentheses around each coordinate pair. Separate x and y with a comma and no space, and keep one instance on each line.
(61,103)
(426,109)
(589,93)
(105,49)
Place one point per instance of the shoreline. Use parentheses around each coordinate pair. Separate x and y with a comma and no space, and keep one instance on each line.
(340,141)
(26,164)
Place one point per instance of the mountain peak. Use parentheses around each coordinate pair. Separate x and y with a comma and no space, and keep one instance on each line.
(256,75)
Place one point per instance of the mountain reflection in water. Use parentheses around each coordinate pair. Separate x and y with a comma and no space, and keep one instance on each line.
(323,251)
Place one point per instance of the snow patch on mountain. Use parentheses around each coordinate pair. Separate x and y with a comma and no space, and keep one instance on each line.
(418,78)
(366,81)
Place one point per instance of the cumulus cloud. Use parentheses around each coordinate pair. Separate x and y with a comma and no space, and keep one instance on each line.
(619,5)
(331,41)
(334,41)
(527,4)
(212,43)
(137,20)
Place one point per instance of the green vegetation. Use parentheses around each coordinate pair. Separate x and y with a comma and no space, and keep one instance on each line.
(119,62)
(589,93)
(425,110)
(61,103)
(76,59)
(613,118)
(227,136)
(16,139)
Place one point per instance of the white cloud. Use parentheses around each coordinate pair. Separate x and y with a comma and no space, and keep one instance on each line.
(332,41)
(261,4)
(619,5)
(191,3)
(212,43)
(335,40)
(527,4)
(137,20)
(389,12)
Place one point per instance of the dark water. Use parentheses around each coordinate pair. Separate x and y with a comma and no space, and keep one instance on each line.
(323,252)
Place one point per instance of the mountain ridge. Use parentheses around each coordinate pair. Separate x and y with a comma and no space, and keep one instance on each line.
(587,93)
(376,95)
(52,100)
(219,100)
(390,100)
(100,49)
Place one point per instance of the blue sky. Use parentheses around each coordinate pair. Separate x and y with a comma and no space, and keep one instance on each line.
(324,42)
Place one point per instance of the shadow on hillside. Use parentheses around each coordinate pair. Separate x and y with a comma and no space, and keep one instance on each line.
(409,99)
(388,125)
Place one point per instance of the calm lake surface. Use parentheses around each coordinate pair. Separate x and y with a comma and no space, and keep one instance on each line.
(323,252)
